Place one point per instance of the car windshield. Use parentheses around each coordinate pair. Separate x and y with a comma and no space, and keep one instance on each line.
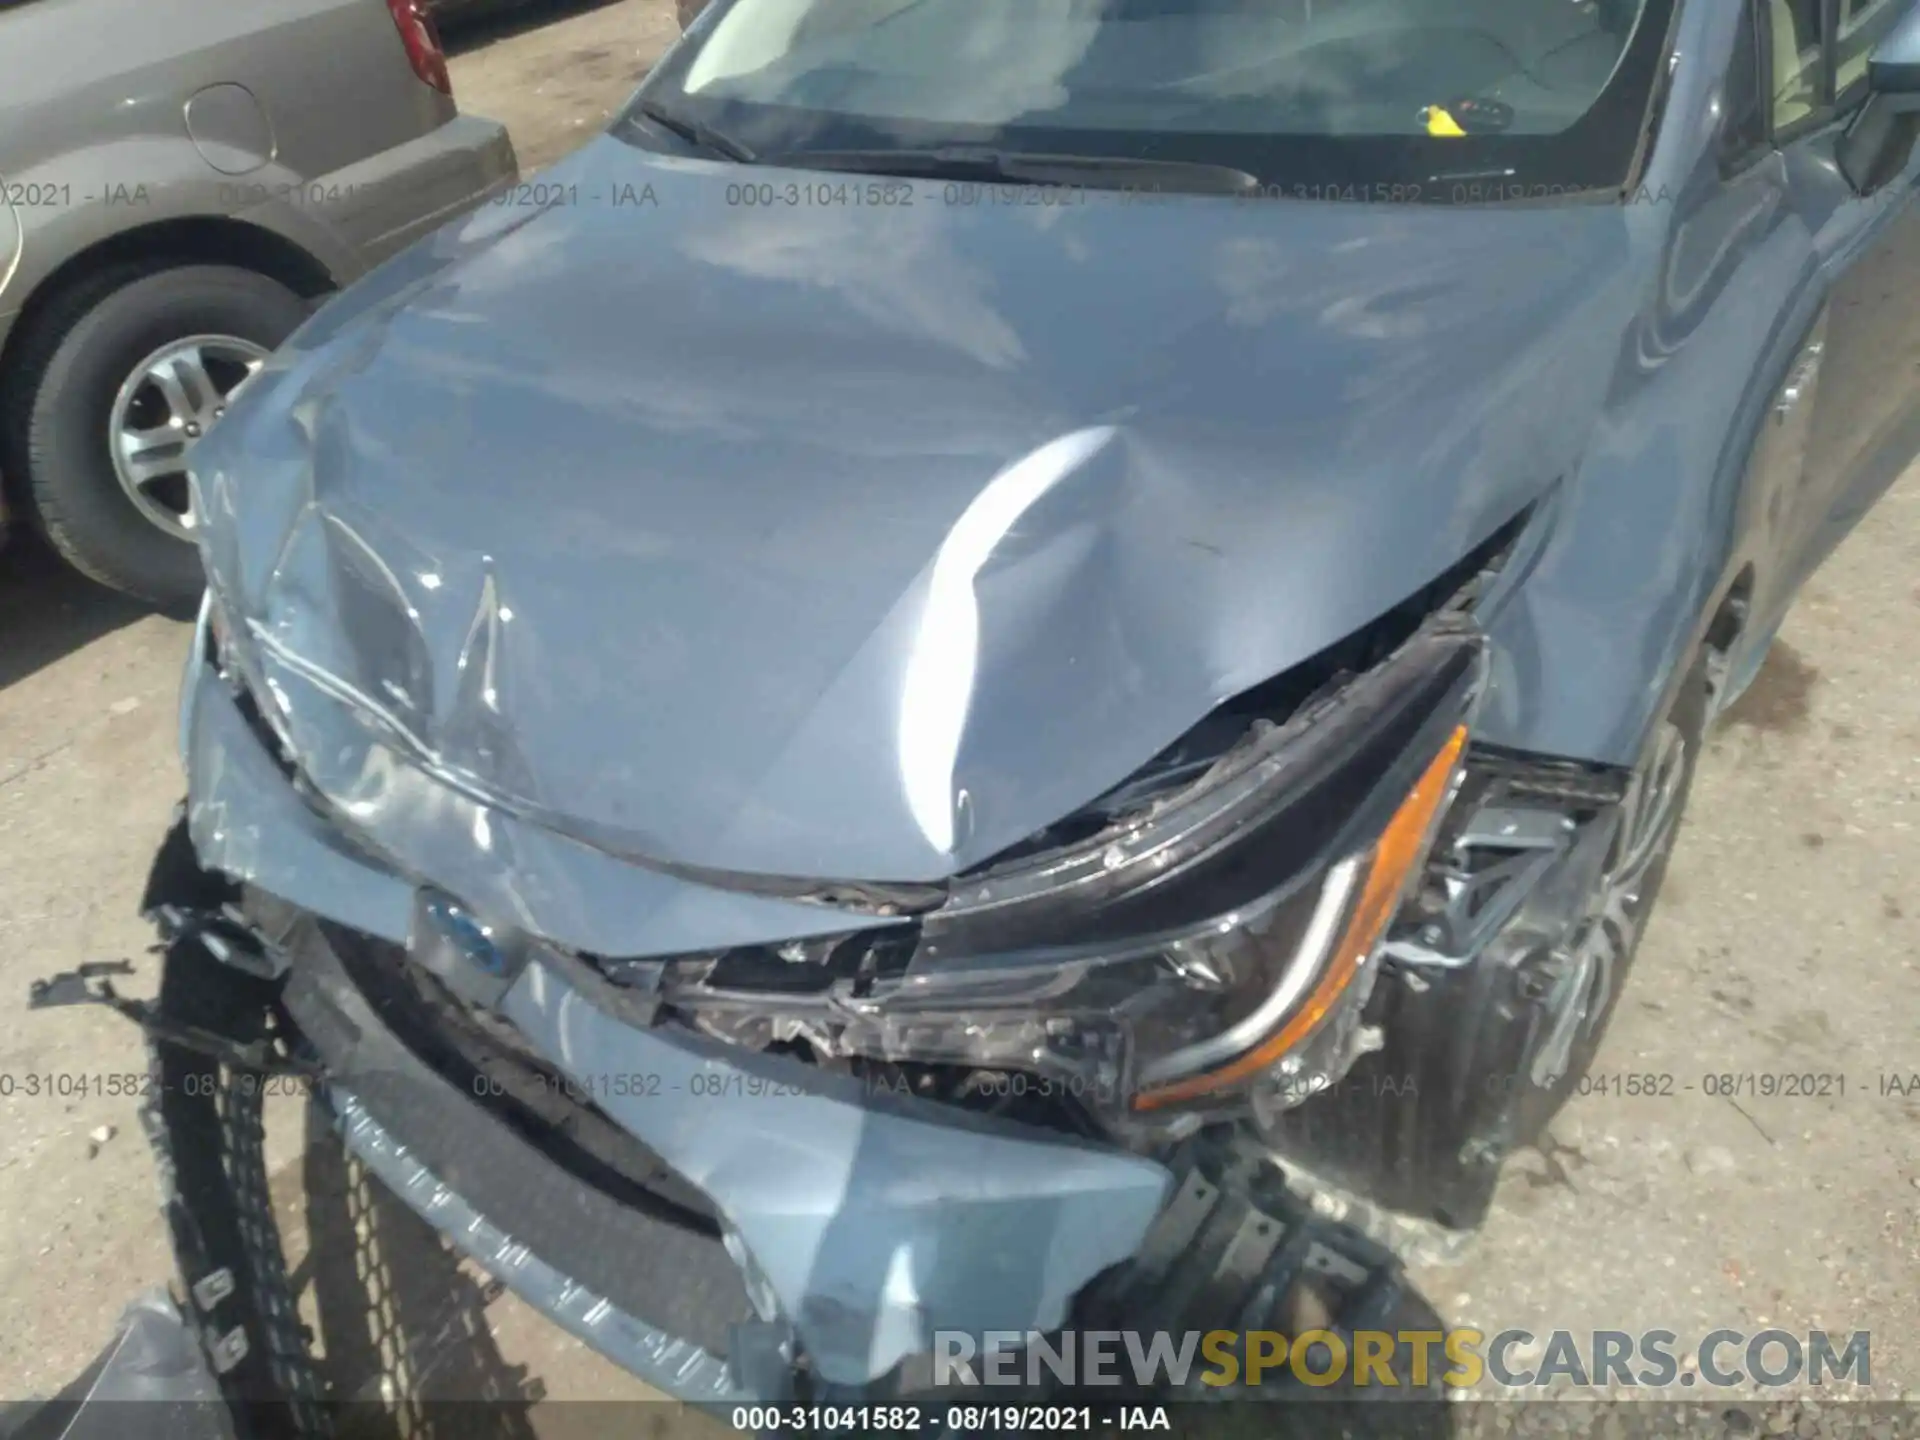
(1540,95)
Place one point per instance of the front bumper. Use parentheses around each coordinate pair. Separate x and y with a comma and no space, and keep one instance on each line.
(855,1226)
(854,1223)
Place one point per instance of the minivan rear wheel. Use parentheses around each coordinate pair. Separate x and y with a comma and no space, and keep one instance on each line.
(120,379)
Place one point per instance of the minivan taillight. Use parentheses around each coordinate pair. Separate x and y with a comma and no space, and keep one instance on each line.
(417,33)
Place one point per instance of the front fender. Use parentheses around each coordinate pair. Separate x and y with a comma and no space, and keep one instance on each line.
(1663,512)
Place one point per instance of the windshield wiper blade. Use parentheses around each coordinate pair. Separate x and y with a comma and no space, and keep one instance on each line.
(694,131)
(986,164)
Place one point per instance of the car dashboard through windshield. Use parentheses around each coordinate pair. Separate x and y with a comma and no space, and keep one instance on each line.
(1277,67)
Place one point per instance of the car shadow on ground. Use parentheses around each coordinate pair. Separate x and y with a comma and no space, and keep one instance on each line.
(47,610)
(474,24)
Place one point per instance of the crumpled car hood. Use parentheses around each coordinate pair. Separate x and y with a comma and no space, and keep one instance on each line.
(863,543)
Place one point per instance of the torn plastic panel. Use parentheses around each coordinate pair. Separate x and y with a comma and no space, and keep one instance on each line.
(931,1179)
(869,1220)
(875,1220)
(458,1164)
(1505,849)
(536,1186)
(1414,1137)
(1179,956)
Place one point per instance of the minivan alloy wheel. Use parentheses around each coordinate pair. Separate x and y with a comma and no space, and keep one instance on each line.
(169,401)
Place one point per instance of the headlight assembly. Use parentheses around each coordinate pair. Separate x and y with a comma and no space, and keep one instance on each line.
(1214,938)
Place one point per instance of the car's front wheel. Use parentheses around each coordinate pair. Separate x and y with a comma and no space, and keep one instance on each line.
(118,381)
(1584,992)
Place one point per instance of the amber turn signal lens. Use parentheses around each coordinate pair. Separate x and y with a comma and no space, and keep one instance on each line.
(1401,847)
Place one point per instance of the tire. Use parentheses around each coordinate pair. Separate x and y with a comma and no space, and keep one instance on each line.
(53,432)
(1684,722)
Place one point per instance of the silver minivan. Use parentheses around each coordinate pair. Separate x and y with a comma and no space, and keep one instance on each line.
(180,183)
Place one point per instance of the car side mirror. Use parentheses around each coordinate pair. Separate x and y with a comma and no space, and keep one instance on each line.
(1879,142)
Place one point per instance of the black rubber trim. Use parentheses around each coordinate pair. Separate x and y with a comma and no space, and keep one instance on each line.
(676,1278)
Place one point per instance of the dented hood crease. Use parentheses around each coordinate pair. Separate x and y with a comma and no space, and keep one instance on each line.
(834,543)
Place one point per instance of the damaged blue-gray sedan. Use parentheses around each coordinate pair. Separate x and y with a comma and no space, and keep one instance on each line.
(994,650)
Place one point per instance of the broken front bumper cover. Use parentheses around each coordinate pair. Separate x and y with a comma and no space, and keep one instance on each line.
(863,1221)
(847,1223)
